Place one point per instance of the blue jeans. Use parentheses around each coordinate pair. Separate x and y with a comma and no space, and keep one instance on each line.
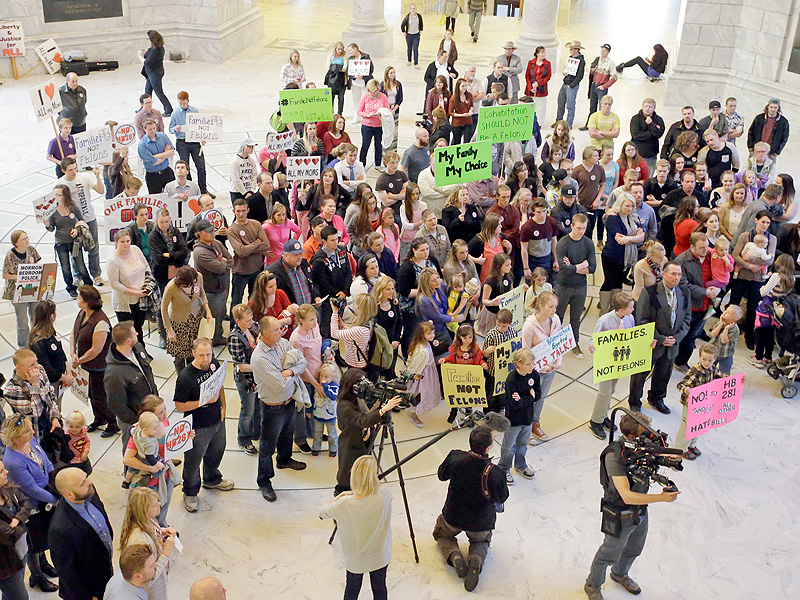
(545,383)
(208,448)
(153,84)
(239,283)
(277,432)
(725,364)
(412,44)
(515,444)
(333,436)
(24,313)
(377,581)
(368,135)
(575,299)
(13,587)
(94,253)
(64,253)
(566,99)
(619,552)
(249,413)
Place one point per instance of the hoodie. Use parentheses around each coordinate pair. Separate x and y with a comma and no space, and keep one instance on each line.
(127,383)
(563,215)
(243,173)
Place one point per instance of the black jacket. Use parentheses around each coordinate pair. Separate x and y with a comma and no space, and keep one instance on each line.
(364,56)
(645,137)
(136,236)
(672,135)
(259,207)
(331,276)
(780,133)
(563,215)
(126,385)
(51,357)
(73,104)
(285,282)
(575,80)
(386,262)
(466,506)
(404,23)
(178,257)
(692,277)
(82,560)
(407,276)
(353,419)
(458,229)
(430,77)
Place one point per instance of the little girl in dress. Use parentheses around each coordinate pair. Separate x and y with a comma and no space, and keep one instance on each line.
(422,365)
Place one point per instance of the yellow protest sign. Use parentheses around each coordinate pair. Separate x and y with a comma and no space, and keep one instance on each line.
(622,352)
(515,302)
(463,386)
(502,363)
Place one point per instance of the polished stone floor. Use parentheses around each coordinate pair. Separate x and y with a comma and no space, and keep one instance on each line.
(731,534)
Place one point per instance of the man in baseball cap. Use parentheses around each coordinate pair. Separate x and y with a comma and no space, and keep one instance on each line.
(602,75)
(213,261)
(293,247)
(715,120)
(566,208)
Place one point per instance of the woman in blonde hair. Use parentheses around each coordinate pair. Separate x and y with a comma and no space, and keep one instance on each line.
(357,333)
(293,71)
(140,526)
(364,519)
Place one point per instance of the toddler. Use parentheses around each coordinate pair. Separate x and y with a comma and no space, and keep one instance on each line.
(78,443)
(723,335)
(722,264)
(757,249)
(457,300)
(145,435)
(325,409)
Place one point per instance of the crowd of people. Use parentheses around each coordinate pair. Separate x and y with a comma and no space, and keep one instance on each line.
(315,287)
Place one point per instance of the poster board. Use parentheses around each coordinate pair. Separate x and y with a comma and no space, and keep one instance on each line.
(94,147)
(12,39)
(303,168)
(713,405)
(358,67)
(35,282)
(502,363)
(44,207)
(549,351)
(50,54)
(281,141)
(463,163)
(119,214)
(300,106)
(203,128)
(505,123)
(622,352)
(46,100)
(463,386)
(178,438)
(125,135)
(514,301)
(211,386)
(80,386)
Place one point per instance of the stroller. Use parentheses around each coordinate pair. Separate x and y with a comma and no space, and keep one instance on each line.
(786,312)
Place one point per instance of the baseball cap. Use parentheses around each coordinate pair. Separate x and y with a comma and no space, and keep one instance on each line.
(293,247)
(569,191)
(714,104)
(247,142)
(204,225)
(607,47)
(559,174)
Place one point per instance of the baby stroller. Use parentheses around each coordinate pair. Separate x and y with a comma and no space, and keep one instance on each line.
(786,312)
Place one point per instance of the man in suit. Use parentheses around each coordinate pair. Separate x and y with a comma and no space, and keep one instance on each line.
(293,273)
(669,307)
(81,538)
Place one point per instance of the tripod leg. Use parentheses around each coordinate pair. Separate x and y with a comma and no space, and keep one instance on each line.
(380,446)
(335,529)
(390,427)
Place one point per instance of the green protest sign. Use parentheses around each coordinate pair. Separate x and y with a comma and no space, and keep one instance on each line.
(463,163)
(300,106)
(506,123)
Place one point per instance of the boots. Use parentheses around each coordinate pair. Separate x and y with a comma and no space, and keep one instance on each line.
(604,304)
(37,578)
(48,569)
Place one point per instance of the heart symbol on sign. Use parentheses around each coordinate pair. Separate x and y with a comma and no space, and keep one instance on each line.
(57,57)
(307,161)
(50,89)
(193,204)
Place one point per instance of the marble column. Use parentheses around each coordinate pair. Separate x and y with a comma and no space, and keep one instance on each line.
(368,28)
(538,28)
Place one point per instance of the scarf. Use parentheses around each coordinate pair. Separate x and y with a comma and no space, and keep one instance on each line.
(654,268)
(631,250)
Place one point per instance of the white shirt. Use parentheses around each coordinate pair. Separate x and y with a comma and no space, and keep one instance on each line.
(81,190)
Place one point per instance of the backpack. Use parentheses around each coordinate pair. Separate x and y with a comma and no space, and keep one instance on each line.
(379,350)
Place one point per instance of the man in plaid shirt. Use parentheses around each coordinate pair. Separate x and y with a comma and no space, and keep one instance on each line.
(29,393)
(704,371)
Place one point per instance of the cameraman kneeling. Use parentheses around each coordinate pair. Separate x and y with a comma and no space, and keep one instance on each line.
(625,535)
(358,425)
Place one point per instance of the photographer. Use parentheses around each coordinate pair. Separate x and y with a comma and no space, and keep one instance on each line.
(627,500)
(358,425)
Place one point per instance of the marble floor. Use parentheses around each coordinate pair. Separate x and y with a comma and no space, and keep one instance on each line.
(730,534)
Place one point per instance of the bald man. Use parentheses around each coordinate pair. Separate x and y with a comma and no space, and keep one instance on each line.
(208,588)
(73,100)
(81,538)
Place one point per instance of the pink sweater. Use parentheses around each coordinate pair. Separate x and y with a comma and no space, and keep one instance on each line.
(310,344)
(278,235)
(370,105)
(721,268)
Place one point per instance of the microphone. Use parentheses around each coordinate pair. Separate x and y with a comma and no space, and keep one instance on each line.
(492,420)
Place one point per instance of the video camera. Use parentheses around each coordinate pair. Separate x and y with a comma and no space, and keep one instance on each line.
(384,389)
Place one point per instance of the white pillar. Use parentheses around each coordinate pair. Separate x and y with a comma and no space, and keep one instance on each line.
(368,29)
(538,28)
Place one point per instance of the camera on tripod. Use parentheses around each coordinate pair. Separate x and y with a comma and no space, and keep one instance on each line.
(384,389)
(644,455)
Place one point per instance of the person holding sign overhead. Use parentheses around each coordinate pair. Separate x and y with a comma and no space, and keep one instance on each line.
(207,408)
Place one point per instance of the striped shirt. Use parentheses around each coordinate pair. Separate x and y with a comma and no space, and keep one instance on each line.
(272,387)
(352,336)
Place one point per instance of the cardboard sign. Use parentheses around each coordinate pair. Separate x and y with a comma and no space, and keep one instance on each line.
(185,211)
(515,302)
(94,147)
(358,67)
(463,386)
(46,100)
(203,128)
(12,39)
(119,211)
(80,386)
(301,168)
(713,404)
(550,350)
(50,54)
(211,386)
(622,352)
(44,207)
(502,363)
(125,135)
(463,163)
(35,282)
(509,123)
(571,66)
(300,106)
(281,141)
(178,440)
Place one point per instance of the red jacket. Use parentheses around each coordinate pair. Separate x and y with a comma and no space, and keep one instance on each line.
(539,75)
(475,357)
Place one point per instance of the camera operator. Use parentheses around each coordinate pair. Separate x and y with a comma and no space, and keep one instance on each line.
(624,514)
(357,424)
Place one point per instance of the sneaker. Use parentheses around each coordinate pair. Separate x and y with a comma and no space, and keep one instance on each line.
(509,478)
(533,440)
(528,473)
(593,592)
(249,448)
(539,433)
(332,454)
(315,453)
(99,282)
(268,493)
(190,503)
(608,424)
(688,455)
(756,362)
(577,351)
(224,485)
(73,293)
(304,448)
(584,128)
(598,430)
(629,584)
(695,451)
(682,368)
(294,465)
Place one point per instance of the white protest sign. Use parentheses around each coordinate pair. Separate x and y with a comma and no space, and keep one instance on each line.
(46,100)
(44,207)
(281,141)
(50,54)
(12,39)
(125,135)
(358,67)
(211,386)
(550,350)
(35,282)
(203,128)
(299,168)
(178,440)
(94,147)
(514,301)
(119,211)
(571,68)
(80,386)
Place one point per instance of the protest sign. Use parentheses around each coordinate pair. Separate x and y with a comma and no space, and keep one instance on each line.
(12,39)
(358,67)
(550,350)
(281,141)
(46,100)
(211,386)
(80,385)
(299,106)
(621,352)
(713,404)
(515,302)
(463,163)
(463,386)
(571,66)
(203,128)
(502,363)
(302,168)
(44,207)
(94,147)
(178,440)
(505,123)
(50,54)
(35,282)
(119,211)
(125,135)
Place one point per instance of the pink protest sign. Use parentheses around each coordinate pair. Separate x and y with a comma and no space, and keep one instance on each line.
(713,404)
